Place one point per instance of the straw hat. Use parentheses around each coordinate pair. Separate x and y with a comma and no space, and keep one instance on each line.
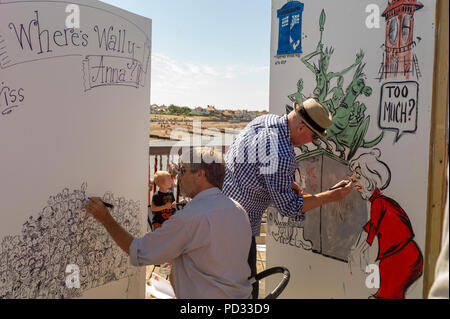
(315,116)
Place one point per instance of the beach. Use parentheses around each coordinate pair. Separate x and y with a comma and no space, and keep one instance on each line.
(173,127)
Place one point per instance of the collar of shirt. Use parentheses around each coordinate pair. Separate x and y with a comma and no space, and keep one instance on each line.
(287,132)
(205,193)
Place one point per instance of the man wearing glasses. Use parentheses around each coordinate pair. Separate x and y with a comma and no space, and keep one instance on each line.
(207,242)
(260,167)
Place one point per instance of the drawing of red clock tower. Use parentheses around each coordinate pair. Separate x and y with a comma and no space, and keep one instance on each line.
(399,59)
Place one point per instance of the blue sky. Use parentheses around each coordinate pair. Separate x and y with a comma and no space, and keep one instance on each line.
(208,51)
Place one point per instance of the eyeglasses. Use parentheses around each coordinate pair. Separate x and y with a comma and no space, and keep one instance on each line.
(183,170)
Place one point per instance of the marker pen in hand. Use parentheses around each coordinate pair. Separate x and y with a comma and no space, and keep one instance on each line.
(106,204)
(339,186)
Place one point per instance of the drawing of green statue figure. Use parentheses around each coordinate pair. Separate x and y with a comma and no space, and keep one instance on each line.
(323,77)
(296,97)
(350,125)
(338,94)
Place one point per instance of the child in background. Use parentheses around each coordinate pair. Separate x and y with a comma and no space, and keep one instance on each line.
(163,201)
(163,207)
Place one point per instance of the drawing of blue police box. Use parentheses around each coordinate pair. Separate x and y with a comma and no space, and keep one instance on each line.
(290,28)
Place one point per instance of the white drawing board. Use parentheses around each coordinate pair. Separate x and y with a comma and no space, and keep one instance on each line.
(371,64)
(74,121)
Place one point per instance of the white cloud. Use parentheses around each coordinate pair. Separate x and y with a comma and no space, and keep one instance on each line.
(194,84)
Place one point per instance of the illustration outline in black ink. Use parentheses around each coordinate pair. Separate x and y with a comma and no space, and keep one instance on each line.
(5,65)
(399,133)
(134,84)
(33,263)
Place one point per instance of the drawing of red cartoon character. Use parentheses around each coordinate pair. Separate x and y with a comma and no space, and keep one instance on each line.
(400,259)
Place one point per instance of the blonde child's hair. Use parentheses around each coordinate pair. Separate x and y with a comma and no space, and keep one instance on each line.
(159,177)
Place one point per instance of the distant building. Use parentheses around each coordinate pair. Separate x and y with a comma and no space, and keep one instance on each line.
(212,109)
(155,109)
(201,111)
(228,113)
(239,114)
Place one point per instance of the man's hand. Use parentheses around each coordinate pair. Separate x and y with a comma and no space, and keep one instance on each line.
(296,188)
(122,238)
(96,208)
(329,196)
(343,188)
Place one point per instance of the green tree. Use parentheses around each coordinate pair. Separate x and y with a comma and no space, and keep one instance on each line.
(173,109)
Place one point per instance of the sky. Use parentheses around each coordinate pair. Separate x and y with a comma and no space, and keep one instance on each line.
(208,52)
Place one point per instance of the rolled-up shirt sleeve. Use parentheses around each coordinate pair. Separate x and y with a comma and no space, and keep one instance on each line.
(162,245)
(279,186)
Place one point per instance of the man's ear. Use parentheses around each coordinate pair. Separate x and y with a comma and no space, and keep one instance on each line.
(300,127)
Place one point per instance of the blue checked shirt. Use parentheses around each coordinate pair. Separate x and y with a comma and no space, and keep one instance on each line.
(260,168)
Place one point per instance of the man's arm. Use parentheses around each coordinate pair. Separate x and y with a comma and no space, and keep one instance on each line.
(283,190)
(166,243)
(99,211)
(327,197)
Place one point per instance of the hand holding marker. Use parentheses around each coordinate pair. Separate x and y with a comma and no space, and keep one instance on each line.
(350,180)
(106,204)
(339,186)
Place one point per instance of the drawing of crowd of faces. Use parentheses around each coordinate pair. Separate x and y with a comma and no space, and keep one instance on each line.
(33,264)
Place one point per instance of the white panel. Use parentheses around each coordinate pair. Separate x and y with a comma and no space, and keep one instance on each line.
(74,120)
(395,102)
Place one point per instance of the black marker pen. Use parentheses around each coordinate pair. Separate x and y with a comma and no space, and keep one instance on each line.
(339,186)
(108,205)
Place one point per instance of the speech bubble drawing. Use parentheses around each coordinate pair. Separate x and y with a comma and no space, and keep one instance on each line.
(399,107)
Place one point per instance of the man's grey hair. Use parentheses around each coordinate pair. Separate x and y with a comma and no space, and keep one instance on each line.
(208,159)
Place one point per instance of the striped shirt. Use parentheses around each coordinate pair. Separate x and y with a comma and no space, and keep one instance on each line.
(260,168)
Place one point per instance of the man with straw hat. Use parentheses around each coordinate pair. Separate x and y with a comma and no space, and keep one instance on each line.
(261,165)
